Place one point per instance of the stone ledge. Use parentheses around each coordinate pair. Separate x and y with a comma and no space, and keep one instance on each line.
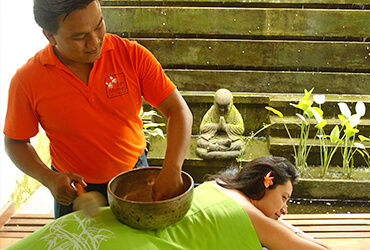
(238,97)
(197,167)
(332,189)
(306,188)
(284,147)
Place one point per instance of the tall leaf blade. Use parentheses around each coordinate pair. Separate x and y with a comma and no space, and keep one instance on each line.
(275,111)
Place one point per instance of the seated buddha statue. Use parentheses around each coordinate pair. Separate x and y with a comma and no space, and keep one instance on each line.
(221,129)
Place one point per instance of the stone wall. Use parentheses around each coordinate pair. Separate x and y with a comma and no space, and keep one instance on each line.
(265,52)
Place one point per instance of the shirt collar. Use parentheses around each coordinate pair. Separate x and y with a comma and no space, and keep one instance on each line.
(48,56)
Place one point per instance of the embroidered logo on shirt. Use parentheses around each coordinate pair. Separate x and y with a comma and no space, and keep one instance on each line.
(116,85)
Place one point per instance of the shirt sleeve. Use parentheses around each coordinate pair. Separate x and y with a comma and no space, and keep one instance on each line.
(21,121)
(155,84)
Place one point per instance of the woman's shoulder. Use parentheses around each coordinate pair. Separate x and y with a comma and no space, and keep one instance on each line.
(253,213)
(235,194)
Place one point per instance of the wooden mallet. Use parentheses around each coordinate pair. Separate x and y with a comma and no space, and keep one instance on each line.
(89,202)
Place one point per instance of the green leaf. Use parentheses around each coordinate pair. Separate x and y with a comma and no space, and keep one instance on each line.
(319,111)
(334,134)
(309,112)
(303,105)
(153,125)
(321,124)
(317,116)
(360,152)
(367,154)
(148,115)
(363,138)
(334,139)
(345,121)
(303,119)
(351,132)
(154,132)
(275,111)
(340,141)
(307,94)
(342,118)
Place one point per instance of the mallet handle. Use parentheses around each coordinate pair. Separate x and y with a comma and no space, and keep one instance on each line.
(80,189)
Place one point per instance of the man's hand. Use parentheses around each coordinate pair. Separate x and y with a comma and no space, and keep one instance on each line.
(166,187)
(61,187)
(25,157)
(169,182)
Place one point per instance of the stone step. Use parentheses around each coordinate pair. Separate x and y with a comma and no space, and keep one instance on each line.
(199,167)
(279,130)
(250,105)
(284,147)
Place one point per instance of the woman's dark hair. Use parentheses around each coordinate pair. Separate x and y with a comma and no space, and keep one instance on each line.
(249,179)
(47,12)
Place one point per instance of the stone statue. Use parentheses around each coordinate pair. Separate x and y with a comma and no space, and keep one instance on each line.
(221,129)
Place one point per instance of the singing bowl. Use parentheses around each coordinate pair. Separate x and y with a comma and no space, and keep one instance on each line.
(130,199)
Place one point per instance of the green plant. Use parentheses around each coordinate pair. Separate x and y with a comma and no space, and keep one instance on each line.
(328,146)
(247,140)
(349,125)
(328,143)
(302,149)
(26,186)
(361,149)
(343,138)
(24,189)
(150,128)
(41,144)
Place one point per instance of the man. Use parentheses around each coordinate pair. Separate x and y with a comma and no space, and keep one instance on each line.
(85,90)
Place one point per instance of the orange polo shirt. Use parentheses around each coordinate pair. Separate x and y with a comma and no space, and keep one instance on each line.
(94,130)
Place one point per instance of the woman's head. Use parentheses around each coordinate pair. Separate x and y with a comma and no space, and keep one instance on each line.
(252,181)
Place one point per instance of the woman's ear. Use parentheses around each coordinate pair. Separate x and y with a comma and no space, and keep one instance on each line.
(50,37)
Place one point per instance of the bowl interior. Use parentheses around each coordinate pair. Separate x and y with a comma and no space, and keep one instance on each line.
(136,185)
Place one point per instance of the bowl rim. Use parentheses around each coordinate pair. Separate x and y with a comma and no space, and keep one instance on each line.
(149,202)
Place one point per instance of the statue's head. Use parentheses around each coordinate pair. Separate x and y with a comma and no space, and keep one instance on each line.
(223,100)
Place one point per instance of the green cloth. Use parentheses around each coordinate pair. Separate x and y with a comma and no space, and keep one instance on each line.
(214,221)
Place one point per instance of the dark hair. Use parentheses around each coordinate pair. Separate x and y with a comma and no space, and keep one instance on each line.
(47,12)
(249,179)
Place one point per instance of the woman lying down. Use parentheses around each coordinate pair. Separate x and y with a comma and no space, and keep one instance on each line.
(233,210)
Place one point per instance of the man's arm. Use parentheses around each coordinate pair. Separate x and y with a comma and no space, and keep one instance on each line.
(180,120)
(24,156)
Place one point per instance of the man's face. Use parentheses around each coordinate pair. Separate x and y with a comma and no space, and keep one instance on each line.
(80,36)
